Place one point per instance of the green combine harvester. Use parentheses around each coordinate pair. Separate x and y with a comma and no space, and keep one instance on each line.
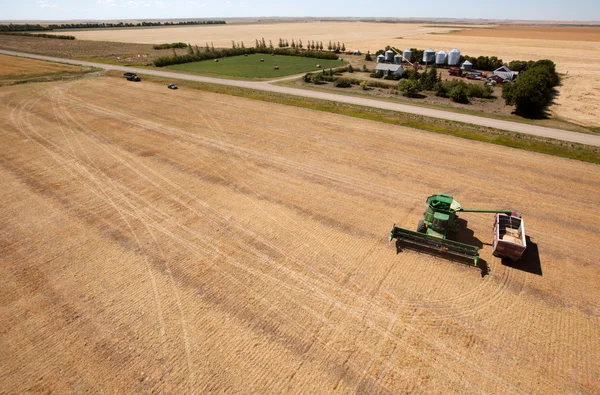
(440,220)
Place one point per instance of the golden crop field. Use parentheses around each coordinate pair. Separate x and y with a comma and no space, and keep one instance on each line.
(575,50)
(185,241)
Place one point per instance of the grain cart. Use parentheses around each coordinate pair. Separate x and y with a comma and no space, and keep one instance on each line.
(509,236)
(440,219)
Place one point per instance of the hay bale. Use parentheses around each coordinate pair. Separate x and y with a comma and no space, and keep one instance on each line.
(262,60)
(276,67)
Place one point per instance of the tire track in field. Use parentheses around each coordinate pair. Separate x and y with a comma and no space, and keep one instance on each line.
(97,189)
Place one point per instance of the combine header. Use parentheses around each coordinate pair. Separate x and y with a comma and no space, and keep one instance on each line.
(440,219)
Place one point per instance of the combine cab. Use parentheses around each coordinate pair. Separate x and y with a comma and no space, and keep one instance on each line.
(440,220)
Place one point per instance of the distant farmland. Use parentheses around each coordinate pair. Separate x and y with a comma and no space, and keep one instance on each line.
(251,67)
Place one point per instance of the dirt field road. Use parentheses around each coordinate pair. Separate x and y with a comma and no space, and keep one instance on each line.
(190,242)
(471,119)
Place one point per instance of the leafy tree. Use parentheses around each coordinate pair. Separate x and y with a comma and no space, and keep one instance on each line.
(429,79)
(532,92)
(293,43)
(460,93)
(409,88)
(343,47)
(329,45)
(350,69)
(300,44)
(232,44)
(212,47)
(280,43)
(286,43)
(342,83)
(271,45)
(368,57)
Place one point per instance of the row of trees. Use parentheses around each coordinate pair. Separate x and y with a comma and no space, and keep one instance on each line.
(311,45)
(129,24)
(486,63)
(44,35)
(22,28)
(196,54)
(26,27)
(170,45)
(534,90)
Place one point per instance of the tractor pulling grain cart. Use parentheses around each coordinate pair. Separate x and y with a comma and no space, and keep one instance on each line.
(440,220)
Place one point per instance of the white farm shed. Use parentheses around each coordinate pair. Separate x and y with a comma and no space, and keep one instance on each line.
(389,68)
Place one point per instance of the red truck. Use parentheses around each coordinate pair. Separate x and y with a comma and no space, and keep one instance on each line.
(455,71)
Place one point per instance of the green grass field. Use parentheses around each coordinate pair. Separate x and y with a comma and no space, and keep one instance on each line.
(251,67)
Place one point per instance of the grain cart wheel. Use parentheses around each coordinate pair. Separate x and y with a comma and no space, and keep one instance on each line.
(422,228)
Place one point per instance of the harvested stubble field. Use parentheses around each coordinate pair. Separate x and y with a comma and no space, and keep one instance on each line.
(102,51)
(14,69)
(574,49)
(195,242)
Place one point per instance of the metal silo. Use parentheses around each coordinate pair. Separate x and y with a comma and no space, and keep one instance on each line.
(407,54)
(454,57)
(440,58)
(380,59)
(397,59)
(467,66)
(389,56)
(429,56)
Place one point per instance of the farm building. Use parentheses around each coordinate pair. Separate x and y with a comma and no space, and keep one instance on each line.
(467,66)
(504,73)
(388,69)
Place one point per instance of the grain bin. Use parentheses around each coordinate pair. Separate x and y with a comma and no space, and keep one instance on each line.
(429,56)
(440,58)
(380,58)
(397,59)
(454,57)
(389,56)
(467,66)
(407,54)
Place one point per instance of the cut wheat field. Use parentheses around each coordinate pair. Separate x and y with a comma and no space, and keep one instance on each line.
(191,242)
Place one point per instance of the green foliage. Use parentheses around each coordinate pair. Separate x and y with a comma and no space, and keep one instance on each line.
(483,62)
(171,45)
(342,83)
(368,57)
(410,88)
(520,65)
(460,93)
(532,92)
(23,28)
(444,88)
(429,79)
(350,69)
(364,86)
(43,35)
(377,74)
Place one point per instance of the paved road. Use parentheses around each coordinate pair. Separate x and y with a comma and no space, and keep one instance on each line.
(559,134)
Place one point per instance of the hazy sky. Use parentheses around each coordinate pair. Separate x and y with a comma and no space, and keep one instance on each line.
(584,10)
